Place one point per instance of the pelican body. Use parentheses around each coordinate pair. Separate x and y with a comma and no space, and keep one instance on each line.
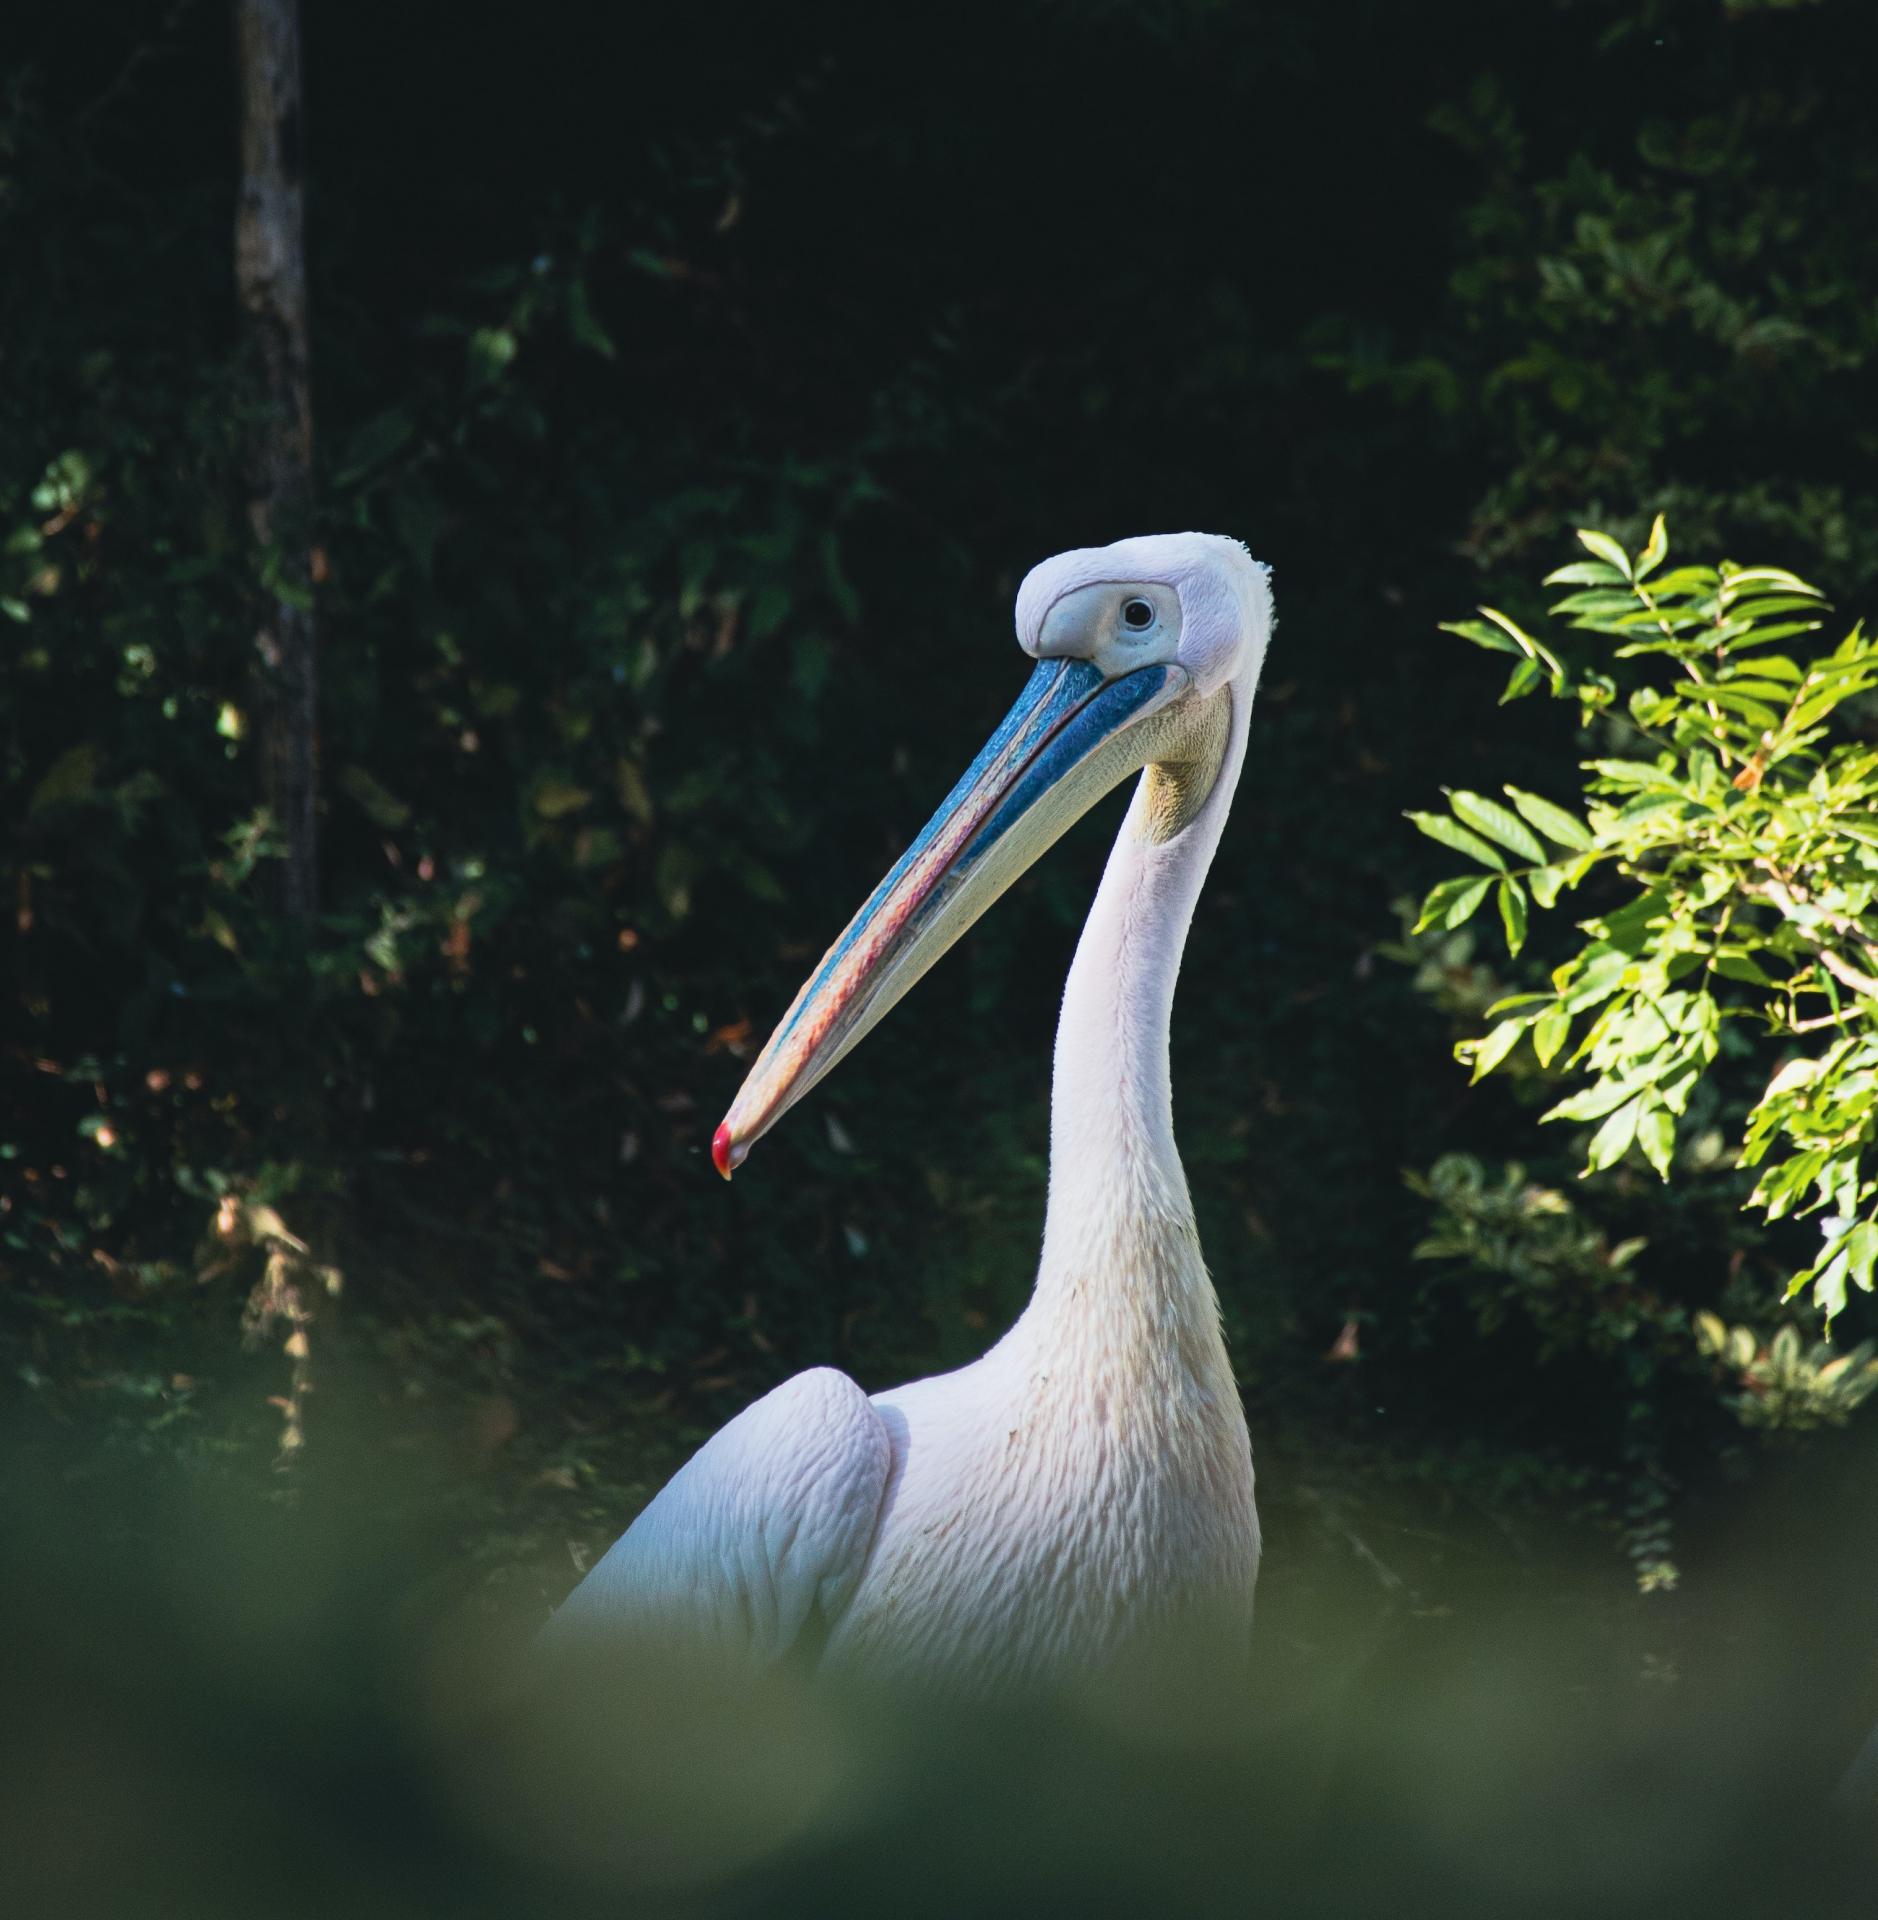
(1085,1489)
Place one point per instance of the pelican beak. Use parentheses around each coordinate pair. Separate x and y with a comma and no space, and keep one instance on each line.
(1071,737)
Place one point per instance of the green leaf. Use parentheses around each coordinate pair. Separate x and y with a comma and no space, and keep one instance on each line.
(1513,914)
(1758,689)
(1554,822)
(1594,1101)
(1606,601)
(1769,577)
(1733,700)
(1599,968)
(1680,581)
(1829,1288)
(1861,1251)
(1762,605)
(1583,573)
(1498,823)
(1801,1071)
(1522,639)
(1520,1000)
(72,777)
(1487,1052)
(1612,1140)
(1656,1135)
(1654,548)
(1741,641)
(555,798)
(1453,903)
(1520,682)
(1734,964)
(1639,774)
(1778,667)
(1466,904)
(1437,826)
(1605,548)
(1481,635)
(382,808)
(583,325)
(1821,704)
(1550,1032)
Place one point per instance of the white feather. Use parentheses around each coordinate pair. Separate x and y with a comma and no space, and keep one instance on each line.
(764,1528)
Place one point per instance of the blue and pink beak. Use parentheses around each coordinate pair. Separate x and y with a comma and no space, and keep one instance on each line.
(1060,748)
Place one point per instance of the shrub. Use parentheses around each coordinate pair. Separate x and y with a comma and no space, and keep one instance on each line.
(1729,837)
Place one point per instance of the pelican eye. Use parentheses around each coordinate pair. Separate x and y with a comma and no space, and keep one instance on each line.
(1137,615)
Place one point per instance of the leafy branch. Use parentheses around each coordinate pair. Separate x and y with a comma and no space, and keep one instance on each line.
(1736,826)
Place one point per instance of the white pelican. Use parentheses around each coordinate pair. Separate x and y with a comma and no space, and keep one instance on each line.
(1087,1484)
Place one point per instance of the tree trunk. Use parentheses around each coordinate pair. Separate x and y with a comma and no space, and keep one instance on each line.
(270,282)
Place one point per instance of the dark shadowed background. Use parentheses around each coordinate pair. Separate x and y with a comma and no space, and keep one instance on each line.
(692,387)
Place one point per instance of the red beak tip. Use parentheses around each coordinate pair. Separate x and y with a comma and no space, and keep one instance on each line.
(720,1150)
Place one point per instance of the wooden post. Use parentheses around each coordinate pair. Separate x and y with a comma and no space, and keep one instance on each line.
(270,283)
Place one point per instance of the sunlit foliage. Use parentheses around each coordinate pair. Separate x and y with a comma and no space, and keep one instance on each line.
(1729,834)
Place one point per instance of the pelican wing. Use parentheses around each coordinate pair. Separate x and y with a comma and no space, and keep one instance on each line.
(760,1538)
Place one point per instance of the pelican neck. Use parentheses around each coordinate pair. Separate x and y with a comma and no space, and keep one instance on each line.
(1120,1218)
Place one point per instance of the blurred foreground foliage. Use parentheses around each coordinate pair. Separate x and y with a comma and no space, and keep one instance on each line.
(311,1708)
(677,467)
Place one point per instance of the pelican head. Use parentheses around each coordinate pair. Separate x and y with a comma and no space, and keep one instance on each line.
(1142,650)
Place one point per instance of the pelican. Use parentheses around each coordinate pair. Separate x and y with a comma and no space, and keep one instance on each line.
(1086,1487)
